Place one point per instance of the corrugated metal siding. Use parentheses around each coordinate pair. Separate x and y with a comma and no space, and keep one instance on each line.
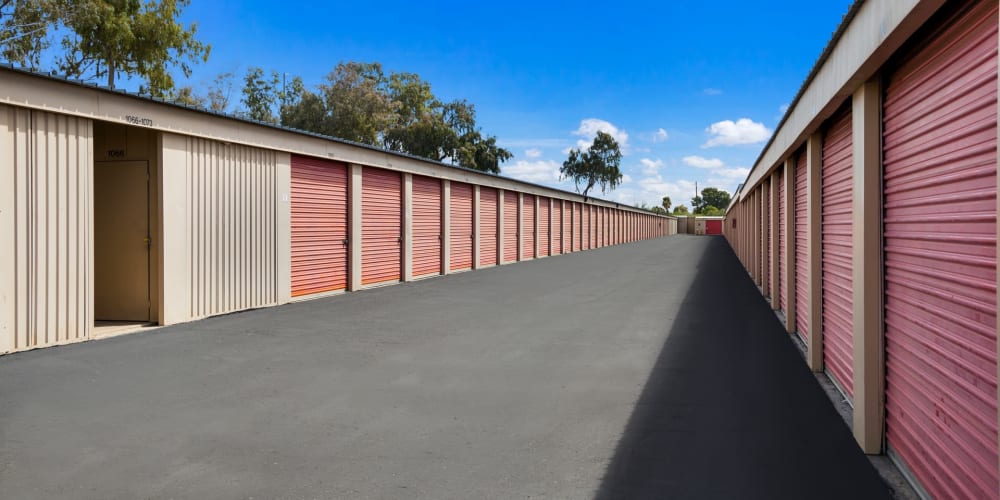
(319,208)
(231,227)
(801,246)
(427,226)
(381,225)
(544,235)
(510,228)
(782,283)
(488,218)
(940,232)
(462,237)
(50,169)
(528,227)
(838,343)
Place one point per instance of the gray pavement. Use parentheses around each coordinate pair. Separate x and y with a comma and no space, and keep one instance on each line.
(647,370)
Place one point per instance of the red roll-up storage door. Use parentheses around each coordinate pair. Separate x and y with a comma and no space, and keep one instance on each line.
(765,221)
(940,165)
(319,226)
(577,227)
(838,328)
(713,227)
(801,246)
(509,226)
(381,228)
(461,237)
(528,227)
(588,227)
(558,228)
(602,227)
(781,228)
(544,236)
(488,217)
(426,226)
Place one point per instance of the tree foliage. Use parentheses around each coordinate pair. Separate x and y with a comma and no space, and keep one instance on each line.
(597,166)
(710,197)
(103,39)
(398,111)
(666,203)
(659,210)
(681,210)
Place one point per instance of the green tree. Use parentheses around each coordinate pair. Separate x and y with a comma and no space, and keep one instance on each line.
(666,203)
(710,196)
(220,91)
(357,102)
(680,210)
(659,210)
(596,166)
(260,95)
(103,39)
(186,95)
(710,210)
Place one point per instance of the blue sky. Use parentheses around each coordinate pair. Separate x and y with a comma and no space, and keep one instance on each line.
(692,90)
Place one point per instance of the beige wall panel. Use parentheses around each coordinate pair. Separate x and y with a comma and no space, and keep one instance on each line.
(225,212)
(46,290)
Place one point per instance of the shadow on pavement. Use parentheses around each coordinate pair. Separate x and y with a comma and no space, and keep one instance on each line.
(730,410)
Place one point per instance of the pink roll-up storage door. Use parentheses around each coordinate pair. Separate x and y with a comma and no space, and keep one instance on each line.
(801,246)
(602,227)
(558,228)
(461,237)
(544,235)
(765,233)
(381,225)
(319,226)
(577,227)
(838,328)
(781,229)
(940,126)
(487,226)
(426,226)
(509,226)
(528,229)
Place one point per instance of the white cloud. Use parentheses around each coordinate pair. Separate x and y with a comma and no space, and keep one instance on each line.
(711,91)
(738,173)
(702,162)
(660,135)
(651,167)
(533,153)
(533,171)
(626,178)
(591,126)
(652,189)
(730,133)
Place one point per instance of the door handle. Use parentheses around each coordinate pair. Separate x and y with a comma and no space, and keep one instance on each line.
(344,241)
(147,241)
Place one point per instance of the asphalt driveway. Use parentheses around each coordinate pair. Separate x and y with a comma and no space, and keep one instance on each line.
(647,370)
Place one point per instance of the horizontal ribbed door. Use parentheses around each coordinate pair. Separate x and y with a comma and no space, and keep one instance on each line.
(602,227)
(426,226)
(559,227)
(488,218)
(781,229)
(381,225)
(801,246)
(588,230)
(528,227)
(766,226)
(837,234)
(577,227)
(940,137)
(461,239)
(544,236)
(319,226)
(509,226)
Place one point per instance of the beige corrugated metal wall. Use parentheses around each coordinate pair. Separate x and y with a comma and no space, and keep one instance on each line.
(46,218)
(231,192)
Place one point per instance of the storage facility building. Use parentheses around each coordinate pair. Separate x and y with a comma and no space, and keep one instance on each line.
(118,208)
(870,223)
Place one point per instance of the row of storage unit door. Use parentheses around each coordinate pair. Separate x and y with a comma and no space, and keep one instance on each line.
(938,232)
(443,214)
